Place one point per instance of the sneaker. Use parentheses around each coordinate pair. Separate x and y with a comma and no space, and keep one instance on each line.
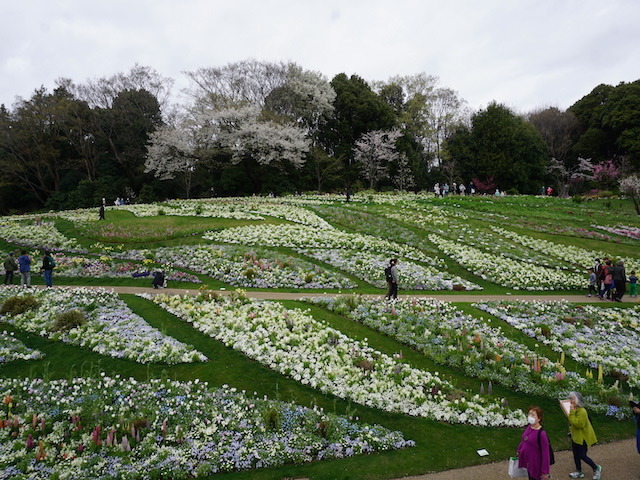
(576,475)
(589,295)
(598,473)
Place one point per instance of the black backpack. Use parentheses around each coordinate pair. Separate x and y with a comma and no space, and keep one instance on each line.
(552,457)
(387,274)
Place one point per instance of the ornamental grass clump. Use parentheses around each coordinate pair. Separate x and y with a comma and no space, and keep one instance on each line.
(18,304)
(68,320)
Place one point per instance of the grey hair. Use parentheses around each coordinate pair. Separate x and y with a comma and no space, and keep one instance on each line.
(578,398)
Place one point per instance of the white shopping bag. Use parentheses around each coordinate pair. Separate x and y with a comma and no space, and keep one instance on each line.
(515,471)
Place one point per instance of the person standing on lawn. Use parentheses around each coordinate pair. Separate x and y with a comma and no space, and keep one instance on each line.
(48,264)
(24,265)
(10,266)
(582,436)
(533,451)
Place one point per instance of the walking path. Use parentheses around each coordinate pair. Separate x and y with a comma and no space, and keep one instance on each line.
(619,460)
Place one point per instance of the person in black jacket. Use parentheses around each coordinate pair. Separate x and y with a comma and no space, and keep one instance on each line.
(48,264)
(619,280)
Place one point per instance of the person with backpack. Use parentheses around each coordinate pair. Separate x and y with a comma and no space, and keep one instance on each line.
(391,275)
(582,436)
(48,264)
(534,451)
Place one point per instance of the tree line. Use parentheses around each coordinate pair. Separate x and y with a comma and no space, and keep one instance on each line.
(255,127)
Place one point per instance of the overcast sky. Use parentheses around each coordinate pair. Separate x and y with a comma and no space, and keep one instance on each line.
(523,53)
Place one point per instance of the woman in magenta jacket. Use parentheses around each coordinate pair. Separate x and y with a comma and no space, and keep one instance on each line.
(533,451)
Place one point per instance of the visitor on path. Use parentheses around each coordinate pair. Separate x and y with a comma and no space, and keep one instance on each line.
(607,280)
(462,189)
(592,283)
(597,268)
(582,436)
(48,264)
(392,277)
(619,277)
(101,212)
(436,189)
(636,416)
(533,451)
(10,266)
(159,280)
(24,265)
(633,284)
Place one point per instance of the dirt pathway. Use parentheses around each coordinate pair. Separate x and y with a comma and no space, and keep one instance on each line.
(619,460)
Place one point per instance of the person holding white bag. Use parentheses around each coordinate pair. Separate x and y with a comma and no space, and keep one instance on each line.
(534,452)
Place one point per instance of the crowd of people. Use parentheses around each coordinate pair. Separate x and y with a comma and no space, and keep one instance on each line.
(23,265)
(609,281)
(455,189)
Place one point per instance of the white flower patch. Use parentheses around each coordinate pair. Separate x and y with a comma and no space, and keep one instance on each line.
(295,344)
(370,267)
(111,328)
(302,236)
(37,234)
(506,271)
(13,349)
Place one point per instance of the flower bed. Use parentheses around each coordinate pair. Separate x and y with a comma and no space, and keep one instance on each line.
(109,428)
(37,234)
(256,268)
(451,337)
(13,349)
(624,230)
(295,344)
(508,272)
(106,267)
(445,224)
(568,253)
(370,267)
(593,336)
(234,208)
(302,236)
(103,323)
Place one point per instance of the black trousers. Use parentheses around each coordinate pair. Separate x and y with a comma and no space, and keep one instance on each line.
(580,453)
(392,290)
